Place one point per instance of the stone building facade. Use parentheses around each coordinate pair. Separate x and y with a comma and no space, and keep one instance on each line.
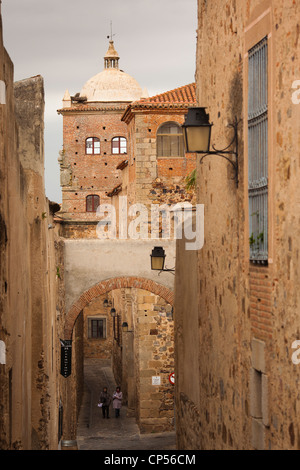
(99,328)
(95,141)
(238,338)
(158,165)
(111,124)
(154,356)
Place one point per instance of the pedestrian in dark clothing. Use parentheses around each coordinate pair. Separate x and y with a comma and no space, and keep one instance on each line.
(106,401)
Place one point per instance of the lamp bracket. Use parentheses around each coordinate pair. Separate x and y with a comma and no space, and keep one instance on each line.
(167,270)
(224,152)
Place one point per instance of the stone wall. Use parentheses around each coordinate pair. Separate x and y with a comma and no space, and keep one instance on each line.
(147,170)
(248,314)
(29,106)
(154,359)
(7,149)
(76,230)
(118,365)
(28,334)
(186,332)
(150,180)
(142,352)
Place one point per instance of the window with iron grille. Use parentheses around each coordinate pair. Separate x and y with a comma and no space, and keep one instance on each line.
(92,146)
(92,202)
(170,140)
(258,151)
(96,328)
(118,145)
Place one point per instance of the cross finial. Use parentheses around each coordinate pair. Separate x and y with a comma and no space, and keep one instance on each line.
(111,33)
(111,58)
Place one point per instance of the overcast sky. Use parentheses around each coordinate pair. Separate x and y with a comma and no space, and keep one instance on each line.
(65,42)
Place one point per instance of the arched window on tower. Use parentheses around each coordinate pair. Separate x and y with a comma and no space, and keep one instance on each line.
(170,140)
(92,146)
(118,145)
(92,202)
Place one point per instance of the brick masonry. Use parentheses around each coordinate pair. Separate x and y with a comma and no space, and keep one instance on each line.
(107,286)
(261,302)
(81,174)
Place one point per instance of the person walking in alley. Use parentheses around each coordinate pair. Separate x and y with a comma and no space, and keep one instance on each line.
(117,401)
(106,401)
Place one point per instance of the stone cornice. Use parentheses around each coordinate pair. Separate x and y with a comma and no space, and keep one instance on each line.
(92,109)
(157,108)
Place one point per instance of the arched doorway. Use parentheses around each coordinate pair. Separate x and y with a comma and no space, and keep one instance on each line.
(107,286)
(143,357)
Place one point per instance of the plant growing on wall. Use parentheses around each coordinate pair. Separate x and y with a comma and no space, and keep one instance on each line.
(58,272)
(190,180)
(255,241)
(260,238)
(251,239)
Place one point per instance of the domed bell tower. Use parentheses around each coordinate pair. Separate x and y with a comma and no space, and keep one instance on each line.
(111,58)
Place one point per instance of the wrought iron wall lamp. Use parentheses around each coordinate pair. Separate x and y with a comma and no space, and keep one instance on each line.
(158,257)
(197,134)
(125,327)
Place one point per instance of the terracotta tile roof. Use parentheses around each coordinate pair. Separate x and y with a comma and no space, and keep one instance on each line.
(184,94)
(179,98)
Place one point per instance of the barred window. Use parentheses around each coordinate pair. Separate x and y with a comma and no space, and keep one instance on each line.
(118,145)
(170,140)
(92,202)
(258,151)
(96,328)
(92,146)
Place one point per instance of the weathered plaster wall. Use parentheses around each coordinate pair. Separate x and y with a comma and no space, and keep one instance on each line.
(83,258)
(29,105)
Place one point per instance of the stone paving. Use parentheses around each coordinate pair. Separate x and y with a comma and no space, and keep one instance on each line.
(96,433)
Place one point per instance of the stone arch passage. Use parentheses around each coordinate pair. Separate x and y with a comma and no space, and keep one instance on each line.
(109,285)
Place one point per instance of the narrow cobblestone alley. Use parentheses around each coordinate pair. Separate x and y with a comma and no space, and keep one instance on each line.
(96,433)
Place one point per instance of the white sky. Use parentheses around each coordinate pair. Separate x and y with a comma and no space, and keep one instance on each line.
(65,42)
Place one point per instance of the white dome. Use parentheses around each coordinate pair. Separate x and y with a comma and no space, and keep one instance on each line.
(112,85)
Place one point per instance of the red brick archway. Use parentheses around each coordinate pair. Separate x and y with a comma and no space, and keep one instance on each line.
(109,285)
